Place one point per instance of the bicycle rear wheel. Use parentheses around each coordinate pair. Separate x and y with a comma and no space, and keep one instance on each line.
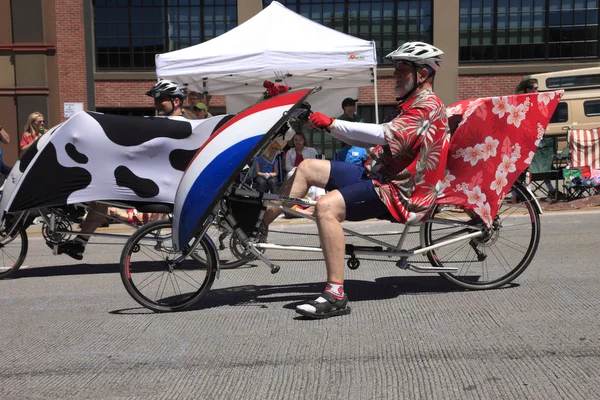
(152,278)
(496,258)
(13,249)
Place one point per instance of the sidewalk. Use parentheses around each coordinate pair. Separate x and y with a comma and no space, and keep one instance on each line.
(590,203)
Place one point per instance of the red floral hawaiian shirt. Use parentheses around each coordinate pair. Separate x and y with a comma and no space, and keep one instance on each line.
(407,172)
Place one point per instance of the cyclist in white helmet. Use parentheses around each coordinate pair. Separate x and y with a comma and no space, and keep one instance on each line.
(400,179)
(169,98)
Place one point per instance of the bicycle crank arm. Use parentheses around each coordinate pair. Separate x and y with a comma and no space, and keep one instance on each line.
(254,250)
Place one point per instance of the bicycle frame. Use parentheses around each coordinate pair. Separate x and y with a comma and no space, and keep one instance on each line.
(384,249)
(49,216)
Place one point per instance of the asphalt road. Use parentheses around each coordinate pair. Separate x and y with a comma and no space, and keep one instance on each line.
(70,331)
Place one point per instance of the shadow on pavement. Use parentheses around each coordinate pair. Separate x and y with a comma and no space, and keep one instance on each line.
(262,295)
(60,270)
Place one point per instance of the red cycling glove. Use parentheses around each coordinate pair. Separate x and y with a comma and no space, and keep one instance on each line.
(320,121)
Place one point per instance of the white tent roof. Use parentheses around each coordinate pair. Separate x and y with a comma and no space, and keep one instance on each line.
(276,44)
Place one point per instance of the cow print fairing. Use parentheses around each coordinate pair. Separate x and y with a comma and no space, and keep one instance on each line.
(55,191)
(27,156)
(88,159)
(134,131)
(75,155)
(144,188)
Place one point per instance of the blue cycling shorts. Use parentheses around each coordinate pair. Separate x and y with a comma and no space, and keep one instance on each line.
(362,201)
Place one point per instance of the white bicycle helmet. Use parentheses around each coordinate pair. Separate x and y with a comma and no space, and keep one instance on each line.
(419,53)
(170,88)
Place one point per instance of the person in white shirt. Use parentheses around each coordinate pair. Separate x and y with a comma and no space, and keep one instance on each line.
(298,153)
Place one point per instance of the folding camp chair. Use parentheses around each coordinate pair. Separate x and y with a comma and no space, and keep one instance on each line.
(544,169)
(585,158)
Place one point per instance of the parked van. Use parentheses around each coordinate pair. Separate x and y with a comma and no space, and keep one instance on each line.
(580,105)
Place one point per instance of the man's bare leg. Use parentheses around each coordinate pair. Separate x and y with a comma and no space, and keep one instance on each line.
(94,218)
(330,212)
(310,172)
(76,247)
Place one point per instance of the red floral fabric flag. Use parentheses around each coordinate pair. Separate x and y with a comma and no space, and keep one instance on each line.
(493,144)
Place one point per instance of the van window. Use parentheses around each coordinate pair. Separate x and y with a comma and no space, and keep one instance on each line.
(571,81)
(591,108)
(561,114)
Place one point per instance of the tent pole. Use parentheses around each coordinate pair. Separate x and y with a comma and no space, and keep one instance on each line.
(376,98)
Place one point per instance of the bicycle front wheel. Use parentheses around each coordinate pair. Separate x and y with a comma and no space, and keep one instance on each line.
(155,281)
(13,249)
(496,258)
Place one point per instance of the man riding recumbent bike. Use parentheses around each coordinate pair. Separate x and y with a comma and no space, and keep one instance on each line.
(90,163)
(468,234)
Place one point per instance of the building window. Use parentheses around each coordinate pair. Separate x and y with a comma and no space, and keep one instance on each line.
(386,112)
(388,23)
(498,30)
(561,114)
(573,81)
(591,108)
(129,33)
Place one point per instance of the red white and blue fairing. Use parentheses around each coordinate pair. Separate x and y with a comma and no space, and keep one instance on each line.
(222,157)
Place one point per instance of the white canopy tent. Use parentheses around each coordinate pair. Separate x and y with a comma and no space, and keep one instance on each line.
(277,45)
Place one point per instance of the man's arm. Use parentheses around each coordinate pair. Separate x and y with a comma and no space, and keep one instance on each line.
(354,133)
(358,133)
(4,136)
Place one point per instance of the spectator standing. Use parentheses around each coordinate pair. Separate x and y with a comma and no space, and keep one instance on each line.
(349,107)
(351,154)
(34,128)
(266,174)
(193,99)
(201,111)
(298,153)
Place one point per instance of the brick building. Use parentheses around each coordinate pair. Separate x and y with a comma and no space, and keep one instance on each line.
(100,53)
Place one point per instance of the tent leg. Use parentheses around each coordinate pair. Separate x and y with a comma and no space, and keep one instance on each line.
(376,99)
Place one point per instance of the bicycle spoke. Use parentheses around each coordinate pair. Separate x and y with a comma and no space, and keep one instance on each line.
(151,278)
